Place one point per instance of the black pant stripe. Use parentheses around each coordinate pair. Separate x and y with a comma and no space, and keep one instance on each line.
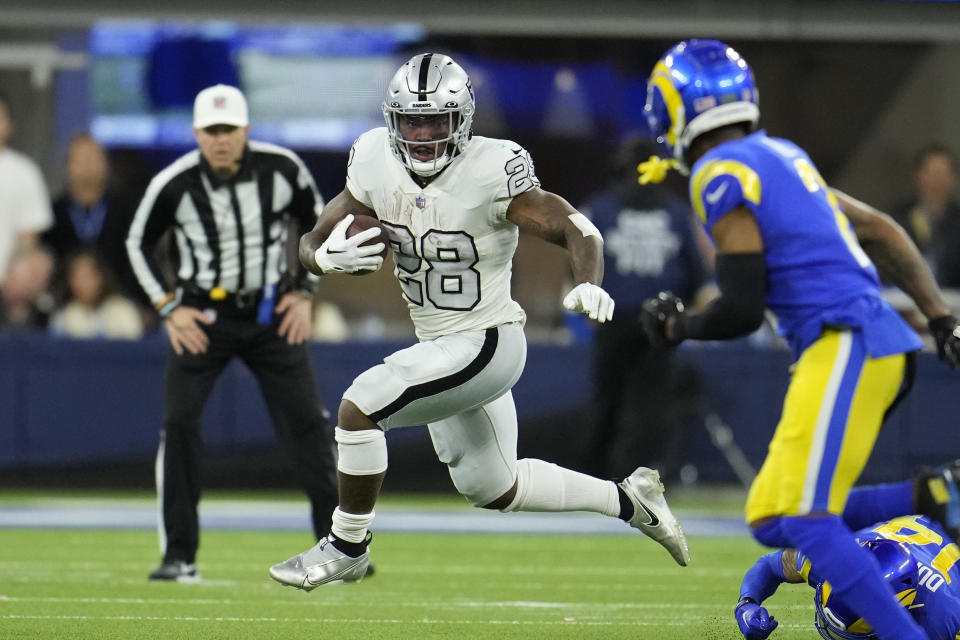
(439,385)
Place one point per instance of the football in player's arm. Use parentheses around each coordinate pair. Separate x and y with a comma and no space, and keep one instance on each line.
(452,206)
(546,215)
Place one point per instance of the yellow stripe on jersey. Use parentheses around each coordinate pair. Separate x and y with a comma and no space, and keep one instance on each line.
(921,535)
(747,177)
(948,557)
(662,80)
(805,570)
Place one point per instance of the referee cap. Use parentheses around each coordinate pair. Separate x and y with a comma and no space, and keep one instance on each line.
(220,104)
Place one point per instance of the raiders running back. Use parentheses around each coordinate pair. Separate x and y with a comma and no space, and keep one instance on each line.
(452,243)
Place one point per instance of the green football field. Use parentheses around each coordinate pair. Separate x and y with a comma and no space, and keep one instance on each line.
(91,584)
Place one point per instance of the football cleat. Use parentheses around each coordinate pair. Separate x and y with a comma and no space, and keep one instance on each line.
(652,516)
(176,570)
(321,564)
(938,496)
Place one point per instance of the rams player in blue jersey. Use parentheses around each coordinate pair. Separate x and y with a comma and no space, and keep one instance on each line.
(917,558)
(787,243)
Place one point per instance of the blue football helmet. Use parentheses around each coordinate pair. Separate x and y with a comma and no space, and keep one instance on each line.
(835,621)
(698,86)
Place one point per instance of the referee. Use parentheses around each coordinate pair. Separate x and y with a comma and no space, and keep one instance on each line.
(229,204)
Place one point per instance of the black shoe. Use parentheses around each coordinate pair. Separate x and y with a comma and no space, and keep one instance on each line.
(937,495)
(176,570)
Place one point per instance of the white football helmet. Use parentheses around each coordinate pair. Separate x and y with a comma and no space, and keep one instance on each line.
(429,84)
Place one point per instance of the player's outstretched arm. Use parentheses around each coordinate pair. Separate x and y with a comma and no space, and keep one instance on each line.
(760,582)
(333,212)
(548,216)
(898,259)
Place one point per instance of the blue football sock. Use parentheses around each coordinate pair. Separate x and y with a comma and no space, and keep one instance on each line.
(853,573)
(771,534)
(869,505)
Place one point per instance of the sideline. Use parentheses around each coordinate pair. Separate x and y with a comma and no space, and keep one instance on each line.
(239,515)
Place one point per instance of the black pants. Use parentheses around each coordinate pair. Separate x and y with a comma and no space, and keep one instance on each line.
(289,386)
(642,399)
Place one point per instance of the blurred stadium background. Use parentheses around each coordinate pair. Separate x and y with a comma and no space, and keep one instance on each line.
(861,84)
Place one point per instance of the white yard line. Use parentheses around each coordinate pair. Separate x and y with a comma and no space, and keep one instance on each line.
(678,621)
(444,604)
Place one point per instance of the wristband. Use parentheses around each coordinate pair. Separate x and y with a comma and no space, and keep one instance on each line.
(744,600)
(171,302)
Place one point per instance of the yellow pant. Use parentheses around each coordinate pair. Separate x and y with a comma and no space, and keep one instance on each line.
(831,417)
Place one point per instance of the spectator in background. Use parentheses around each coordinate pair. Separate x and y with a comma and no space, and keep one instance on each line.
(93,307)
(642,395)
(24,212)
(932,216)
(25,302)
(91,214)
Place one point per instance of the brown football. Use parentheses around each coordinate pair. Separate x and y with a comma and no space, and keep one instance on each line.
(362,223)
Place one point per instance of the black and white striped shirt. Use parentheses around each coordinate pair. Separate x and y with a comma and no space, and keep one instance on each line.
(230,234)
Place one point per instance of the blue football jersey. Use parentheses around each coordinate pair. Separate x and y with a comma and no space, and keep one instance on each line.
(818,276)
(936,604)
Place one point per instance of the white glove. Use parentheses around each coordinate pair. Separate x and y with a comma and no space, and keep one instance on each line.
(590,299)
(345,255)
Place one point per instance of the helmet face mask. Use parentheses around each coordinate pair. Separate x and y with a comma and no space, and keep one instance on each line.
(696,87)
(429,113)
(834,620)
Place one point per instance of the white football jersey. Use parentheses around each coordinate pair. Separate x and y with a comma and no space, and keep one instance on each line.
(452,243)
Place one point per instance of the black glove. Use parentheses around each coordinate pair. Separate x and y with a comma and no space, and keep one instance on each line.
(654,315)
(946,331)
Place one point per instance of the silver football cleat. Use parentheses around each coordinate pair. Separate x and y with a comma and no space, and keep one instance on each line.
(651,514)
(321,564)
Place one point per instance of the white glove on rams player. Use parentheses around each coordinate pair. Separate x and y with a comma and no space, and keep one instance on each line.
(590,299)
(345,255)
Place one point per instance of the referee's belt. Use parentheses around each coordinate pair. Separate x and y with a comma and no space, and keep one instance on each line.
(220,297)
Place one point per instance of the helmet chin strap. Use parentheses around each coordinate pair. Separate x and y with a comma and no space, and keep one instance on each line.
(429,168)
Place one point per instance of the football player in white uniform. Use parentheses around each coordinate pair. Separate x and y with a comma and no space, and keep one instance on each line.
(452,205)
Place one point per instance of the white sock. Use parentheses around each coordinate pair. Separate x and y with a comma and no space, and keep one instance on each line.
(351,527)
(544,486)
